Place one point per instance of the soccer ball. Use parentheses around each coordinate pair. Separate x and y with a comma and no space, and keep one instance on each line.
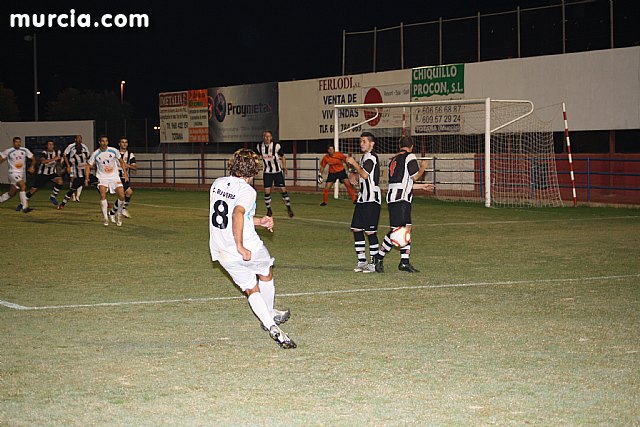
(400,236)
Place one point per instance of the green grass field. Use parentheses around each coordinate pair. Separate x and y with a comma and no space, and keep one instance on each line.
(518,317)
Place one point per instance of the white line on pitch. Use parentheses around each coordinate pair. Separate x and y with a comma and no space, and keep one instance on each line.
(338,291)
(441,224)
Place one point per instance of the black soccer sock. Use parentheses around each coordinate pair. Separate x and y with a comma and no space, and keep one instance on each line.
(267,200)
(286,199)
(56,190)
(373,244)
(127,199)
(386,245)
(359,245)
(404,253)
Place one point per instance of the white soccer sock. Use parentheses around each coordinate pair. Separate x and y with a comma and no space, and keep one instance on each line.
(78,191)
(268,291)
(103,205)
(23,199)
(4,197)
(259,307)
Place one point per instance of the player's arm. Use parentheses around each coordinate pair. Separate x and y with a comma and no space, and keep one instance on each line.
(46,161)
(132,164)
(237,227)
(123,166)
(363,172)
(32,164)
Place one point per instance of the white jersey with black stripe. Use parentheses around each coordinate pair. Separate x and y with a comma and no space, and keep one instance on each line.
(78,157)
(271,156)
(370,187)
(402,169)
(129,159)
(48,168)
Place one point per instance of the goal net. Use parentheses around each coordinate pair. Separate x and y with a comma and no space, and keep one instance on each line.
(492,151)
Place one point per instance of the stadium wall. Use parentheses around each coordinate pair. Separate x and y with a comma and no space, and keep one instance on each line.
(9,130)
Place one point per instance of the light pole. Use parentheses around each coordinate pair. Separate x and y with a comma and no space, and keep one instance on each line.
(122,82)
(36,92)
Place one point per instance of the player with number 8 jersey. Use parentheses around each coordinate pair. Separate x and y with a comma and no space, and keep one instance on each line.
(235,244)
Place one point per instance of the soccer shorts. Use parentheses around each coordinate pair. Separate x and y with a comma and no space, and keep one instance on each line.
(125,184)
(15,178)
(335,176)
(41,180)
(111,184)
(273,179)
(243,273)
(366,216)
(399,213)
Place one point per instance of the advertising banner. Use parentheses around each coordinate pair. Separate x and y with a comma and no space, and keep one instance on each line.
(339,90)
(198,110)
(386,117)
(174,117)
(242,113)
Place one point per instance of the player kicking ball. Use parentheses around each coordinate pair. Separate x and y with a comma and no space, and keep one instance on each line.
(234,243)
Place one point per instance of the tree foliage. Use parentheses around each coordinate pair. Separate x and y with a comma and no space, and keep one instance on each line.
(73,104)
(8,107)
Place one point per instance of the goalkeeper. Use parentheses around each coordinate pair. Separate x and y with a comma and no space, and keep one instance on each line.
(336,161)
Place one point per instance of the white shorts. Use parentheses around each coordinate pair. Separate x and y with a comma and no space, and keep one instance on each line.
(244,273)
(111,184)
(15,178)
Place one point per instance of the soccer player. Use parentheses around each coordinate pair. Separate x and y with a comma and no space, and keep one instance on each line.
(106,160)
(76,156)
(129,160)
(367,211)
(80,148)
(16,157)
(403,170)
(49,159)
(335,160)
(234,243)
(275,168)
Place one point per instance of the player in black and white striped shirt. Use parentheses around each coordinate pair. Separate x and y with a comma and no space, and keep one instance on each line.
(47,171)
(76,156)
(129,160)
(275,167)
(367,211)
(403,170)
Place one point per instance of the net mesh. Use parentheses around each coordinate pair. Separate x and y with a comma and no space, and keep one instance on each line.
(451,138)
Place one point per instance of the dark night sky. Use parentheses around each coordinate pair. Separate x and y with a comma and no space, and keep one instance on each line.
(194,45)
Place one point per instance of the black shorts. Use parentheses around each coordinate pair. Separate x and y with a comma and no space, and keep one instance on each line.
(366,216)
(125,184)
(333,177)
(273,179)
(399,213)
(41,180)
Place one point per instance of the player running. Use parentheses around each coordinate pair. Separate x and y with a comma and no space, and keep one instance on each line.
(17,157)
(106,160)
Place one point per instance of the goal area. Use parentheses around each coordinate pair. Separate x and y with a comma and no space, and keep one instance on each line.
(495,152)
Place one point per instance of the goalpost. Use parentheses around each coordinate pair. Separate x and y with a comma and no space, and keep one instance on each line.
(484,150)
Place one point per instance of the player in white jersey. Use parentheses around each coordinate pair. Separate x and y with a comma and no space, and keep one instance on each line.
(403,170)
(129,160)
(106,160)
(367,211)
(275,168)
(17,157)
(234,243)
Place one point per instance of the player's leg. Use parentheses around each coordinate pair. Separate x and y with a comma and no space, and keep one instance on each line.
(268,292)
(24,201)
(359,244)
(267,180)
(279,182)
(404,219)
(328,185)
(119,203)
(10,193)
(102,189)
(74,185)
(352,193)
(127,199)
(57,186)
